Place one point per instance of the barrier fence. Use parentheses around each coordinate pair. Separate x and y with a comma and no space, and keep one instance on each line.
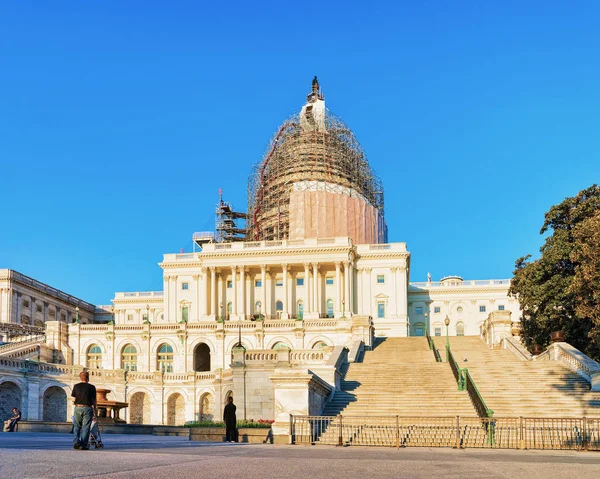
(457,431)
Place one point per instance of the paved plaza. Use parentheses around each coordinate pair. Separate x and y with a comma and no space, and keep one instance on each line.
(30,455)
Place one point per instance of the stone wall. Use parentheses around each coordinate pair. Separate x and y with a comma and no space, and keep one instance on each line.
(10,397)
(55,405)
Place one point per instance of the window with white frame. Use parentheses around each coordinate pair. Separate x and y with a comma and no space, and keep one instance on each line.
(380,279)
(329,281)
(437,331)
(381,309)
(436,309)
(482,308)
(500,307)
(185,286)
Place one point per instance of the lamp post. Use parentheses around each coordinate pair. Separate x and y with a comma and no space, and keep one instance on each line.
(447,323)
(427,322)
(77,315)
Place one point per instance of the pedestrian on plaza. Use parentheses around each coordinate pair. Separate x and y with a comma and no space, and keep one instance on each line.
(230,421)
(11,424)
(84,395)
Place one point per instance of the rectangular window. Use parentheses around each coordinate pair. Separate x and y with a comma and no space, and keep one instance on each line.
(39,308)
(328,281)
(185,286)
(380,279)
(438,331)
(130,317)
(500,307)
(144,317)
(419,310)
(25,303)
(258,283)
(229,284)
(381,309)
(279,282)
(299,281)
(436,309)
(184,314)
(482,309)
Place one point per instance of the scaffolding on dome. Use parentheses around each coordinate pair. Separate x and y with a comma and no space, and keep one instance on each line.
(306,149)
(226,223)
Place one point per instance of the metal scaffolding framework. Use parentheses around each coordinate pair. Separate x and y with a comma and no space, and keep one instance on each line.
(227,222)
(306,148)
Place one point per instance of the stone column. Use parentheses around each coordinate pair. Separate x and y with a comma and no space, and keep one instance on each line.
(347,287)
(243,291)
(234,305)
(197,286)
(285,313)
(213,292)
(220,296)
(360,306)
(263,282)
(402,291)
(368,286)
(205,293)
(338,291)
(307,308)
(315,288)
(174,307)
(394,293)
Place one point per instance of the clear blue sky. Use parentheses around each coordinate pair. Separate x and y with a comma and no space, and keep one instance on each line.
(119,121)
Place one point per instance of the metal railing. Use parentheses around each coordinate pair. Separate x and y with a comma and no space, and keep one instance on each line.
(436,352)
(451,431)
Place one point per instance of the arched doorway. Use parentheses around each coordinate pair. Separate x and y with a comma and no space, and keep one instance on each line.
(202,357)
(55,404)
(207,407)
(139,408)
(10,397)
(175,410)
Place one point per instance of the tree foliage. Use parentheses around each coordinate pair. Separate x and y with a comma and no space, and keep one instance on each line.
(560,290)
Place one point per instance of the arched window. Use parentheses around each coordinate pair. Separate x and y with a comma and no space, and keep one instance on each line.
(329,305)
(257,307)
(280,345)
(320,345)
(460,328)
(229,307)
(184,313)
(300,309)
(94,357)
(129,358)
(165,358)
(278,306)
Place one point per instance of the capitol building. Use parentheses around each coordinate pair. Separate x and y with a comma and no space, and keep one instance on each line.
(267,308)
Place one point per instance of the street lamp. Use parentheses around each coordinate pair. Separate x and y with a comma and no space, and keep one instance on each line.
(77,315)
(447,323)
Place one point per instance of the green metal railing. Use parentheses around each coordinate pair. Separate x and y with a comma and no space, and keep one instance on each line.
(436,352)
(574,433)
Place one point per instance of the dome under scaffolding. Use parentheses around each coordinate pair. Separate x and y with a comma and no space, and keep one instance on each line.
(315,181)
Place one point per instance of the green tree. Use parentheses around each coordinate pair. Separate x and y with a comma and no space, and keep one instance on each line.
(551,289)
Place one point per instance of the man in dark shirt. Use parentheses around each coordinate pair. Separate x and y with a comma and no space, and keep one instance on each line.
(84,395)
(230,421)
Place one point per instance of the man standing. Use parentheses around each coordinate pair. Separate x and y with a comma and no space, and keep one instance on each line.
(84,395)
(230,421)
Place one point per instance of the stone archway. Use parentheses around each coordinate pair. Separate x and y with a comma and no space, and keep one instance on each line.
(139,408)
(207,407)
(202,357)
(175,410)
(55,405)
(10,397)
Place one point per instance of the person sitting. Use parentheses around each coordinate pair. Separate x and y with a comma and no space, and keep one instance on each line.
(12,422)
